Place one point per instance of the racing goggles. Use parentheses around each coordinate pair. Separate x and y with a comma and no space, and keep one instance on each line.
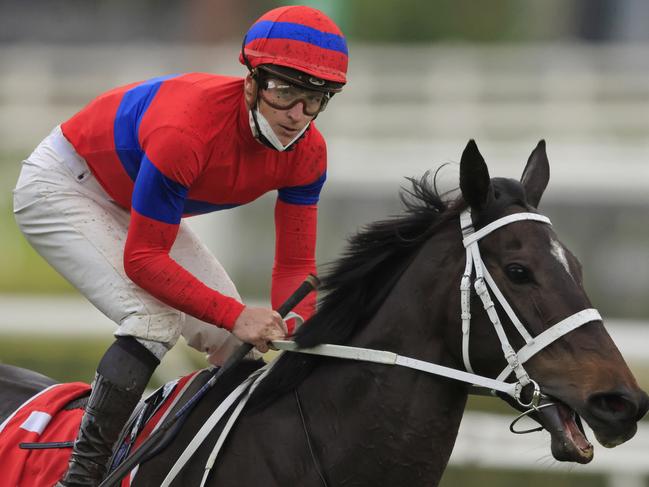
(283,95)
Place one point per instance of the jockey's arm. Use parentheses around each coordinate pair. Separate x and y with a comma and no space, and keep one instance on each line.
(295,243)
(158,201)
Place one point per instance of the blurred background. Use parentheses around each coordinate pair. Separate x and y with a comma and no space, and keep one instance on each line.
(424,77)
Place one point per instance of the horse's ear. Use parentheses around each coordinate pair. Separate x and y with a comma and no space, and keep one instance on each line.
(475,182)
(536,174)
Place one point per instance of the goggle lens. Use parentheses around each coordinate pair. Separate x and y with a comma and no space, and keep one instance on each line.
(282,95)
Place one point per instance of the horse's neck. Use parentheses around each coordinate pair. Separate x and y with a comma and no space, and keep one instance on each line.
(400,423)
(403,421)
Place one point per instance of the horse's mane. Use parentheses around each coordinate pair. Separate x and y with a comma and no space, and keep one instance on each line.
(355,285)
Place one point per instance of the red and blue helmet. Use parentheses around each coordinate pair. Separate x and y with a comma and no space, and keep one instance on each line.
(295,41)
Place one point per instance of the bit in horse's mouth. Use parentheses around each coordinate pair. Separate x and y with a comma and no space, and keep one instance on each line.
(569,442)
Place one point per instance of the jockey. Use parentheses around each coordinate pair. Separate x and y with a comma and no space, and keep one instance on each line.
(103,196)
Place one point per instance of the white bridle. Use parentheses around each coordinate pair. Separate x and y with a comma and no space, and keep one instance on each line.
(482,283)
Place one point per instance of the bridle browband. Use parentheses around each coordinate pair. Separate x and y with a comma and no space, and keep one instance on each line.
(482,283)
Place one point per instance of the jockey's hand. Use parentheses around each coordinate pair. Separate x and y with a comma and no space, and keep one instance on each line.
(258,326)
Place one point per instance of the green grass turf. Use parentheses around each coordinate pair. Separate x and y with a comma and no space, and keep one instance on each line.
(65,359)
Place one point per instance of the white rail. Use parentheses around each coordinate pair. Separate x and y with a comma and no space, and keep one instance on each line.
(405,109)
(23,314)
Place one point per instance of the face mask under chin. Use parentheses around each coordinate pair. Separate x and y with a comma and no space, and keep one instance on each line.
(268,132)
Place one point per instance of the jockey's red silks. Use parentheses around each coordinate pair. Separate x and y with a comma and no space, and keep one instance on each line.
(295,245)
(182,145)
(42,419)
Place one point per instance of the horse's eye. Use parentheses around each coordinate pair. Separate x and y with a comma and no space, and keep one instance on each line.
(518,274)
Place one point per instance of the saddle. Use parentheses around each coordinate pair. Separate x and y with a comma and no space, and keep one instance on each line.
(35,450)
(44,418)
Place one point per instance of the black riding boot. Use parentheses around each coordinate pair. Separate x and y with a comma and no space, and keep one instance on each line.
(121,377)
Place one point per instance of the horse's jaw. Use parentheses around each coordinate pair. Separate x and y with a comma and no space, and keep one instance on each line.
(568,438)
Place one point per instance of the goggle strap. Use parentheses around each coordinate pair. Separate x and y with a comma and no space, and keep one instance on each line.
(252,70)
(291,105)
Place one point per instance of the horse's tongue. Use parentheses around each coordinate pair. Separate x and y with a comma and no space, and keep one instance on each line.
(572,430)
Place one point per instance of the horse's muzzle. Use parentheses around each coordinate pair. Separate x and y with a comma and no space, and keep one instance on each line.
(613,416)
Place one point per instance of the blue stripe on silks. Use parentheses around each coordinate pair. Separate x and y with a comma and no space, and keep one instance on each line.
(156,196)
(267,29)
(309,194)
(196,207)
(127,122)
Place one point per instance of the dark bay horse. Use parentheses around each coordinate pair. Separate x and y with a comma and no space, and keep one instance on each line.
(17,385)
(318,421)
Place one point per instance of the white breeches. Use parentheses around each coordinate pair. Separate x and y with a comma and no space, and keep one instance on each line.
(70,220)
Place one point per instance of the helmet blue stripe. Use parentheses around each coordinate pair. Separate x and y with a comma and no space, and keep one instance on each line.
(267,29)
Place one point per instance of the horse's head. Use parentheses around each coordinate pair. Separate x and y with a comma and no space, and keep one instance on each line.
(583,370)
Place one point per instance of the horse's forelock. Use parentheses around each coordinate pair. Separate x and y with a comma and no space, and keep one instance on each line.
(507,193)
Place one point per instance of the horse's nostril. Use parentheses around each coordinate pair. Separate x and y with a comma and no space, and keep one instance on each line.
(614,406)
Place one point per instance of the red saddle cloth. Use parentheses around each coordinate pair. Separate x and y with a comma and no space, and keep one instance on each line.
(41,419)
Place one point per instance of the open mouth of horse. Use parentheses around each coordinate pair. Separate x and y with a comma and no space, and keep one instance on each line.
(568,438)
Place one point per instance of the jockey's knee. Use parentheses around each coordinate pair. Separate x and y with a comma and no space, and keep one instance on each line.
(157,333)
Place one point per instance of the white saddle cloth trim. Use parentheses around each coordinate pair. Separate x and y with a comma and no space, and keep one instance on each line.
(36,422)
(11,416)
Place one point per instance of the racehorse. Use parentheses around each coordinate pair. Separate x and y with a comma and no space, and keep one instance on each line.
(402,287)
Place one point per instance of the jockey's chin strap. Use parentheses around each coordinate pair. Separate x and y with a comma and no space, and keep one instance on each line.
(482,283)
